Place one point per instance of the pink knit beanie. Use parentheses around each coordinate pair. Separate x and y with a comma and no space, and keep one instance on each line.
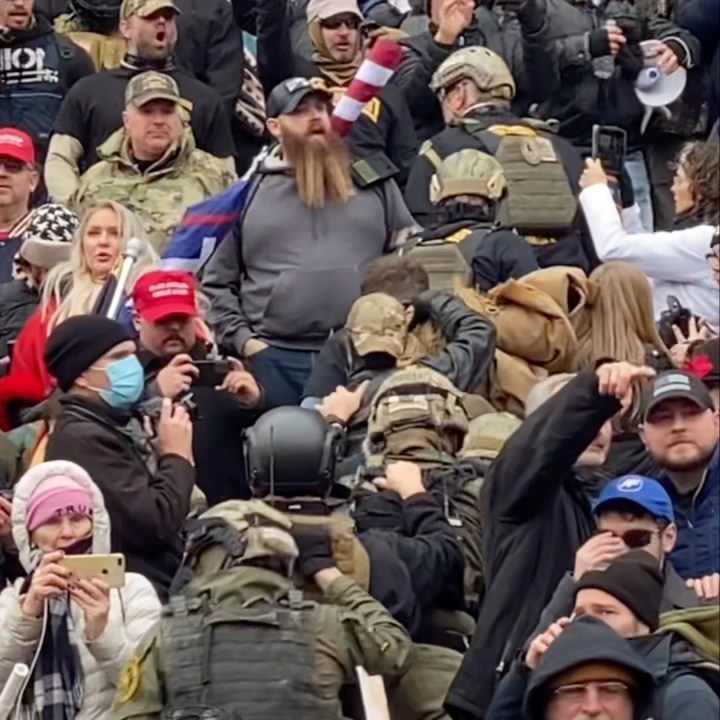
(57,495)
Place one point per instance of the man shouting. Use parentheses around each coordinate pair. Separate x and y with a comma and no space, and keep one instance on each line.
(290,270)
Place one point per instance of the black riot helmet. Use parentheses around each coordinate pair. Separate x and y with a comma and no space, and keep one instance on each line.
(291,452)
(100,16)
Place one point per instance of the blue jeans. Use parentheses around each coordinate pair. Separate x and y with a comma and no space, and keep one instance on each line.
(282,374)
(635,166)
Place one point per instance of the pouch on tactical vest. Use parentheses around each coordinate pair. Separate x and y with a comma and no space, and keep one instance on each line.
(223,660)
(350,556)
(106,52)
(447,261)
(540,200)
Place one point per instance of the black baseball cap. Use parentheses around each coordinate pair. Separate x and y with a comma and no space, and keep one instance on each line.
(676,384)
(287,96)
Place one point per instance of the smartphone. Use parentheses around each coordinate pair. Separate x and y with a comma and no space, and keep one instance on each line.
(211,372)
(108,568)
(609,145)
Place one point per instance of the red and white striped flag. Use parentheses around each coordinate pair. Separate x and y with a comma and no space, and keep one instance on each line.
(372,76)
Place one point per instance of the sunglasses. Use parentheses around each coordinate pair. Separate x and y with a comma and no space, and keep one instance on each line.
(14,167)
(636,538)
(351,22)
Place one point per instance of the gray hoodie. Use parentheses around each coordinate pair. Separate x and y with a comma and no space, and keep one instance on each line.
(288,274)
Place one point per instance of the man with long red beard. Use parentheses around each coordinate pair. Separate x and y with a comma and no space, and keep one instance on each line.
(290,270)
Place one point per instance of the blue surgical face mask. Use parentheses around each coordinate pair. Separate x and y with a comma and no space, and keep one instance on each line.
(127,381)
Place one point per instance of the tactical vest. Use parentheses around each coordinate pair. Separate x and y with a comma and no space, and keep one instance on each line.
(350,556)
(30,86)
(540,201)
(447,261)
(225,662)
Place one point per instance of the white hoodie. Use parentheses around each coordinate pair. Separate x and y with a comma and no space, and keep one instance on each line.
(134,610)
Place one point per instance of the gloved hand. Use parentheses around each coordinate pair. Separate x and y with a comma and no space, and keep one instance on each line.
(530,13)
(599,42)
(315,550)
(630,60)
(424,308)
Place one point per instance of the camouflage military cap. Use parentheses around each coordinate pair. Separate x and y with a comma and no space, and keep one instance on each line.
(267,530)
(487,435)
(484,67)
(468,172)
(145,8)
(152,85)
(376,323)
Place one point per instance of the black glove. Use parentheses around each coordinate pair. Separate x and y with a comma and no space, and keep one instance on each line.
(631,61)
(423,308)
(315,550)
(530,13)
(599,42)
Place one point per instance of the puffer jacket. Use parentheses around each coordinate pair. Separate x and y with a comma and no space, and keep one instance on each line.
(133,610)
(582,90)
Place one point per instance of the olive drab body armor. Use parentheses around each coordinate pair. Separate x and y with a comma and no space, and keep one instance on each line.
(540,200)
(350,557)
(447,261)
(224,661)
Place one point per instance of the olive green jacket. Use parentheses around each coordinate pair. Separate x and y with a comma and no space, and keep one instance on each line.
(351,630)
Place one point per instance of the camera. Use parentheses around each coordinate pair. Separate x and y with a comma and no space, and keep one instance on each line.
(152,408)
(677,315)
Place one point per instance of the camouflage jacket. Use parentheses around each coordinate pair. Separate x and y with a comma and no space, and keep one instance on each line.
(160,194)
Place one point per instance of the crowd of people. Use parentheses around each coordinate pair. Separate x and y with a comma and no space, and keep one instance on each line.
(408,417)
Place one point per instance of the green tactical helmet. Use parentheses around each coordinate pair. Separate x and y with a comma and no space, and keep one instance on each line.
(468,172)
(415,397)
(484,67)
(236,531)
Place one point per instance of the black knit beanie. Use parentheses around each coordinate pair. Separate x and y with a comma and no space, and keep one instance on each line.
(635,580)
(77,343)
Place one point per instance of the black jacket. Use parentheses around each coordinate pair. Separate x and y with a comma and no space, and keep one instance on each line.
(40,69)
(465,359)
(535,515)
(580,89)
(390,131)
(18,302)
(416,531)
(147,509)
(218,423)
(680,695)
(575,248)
(92,111)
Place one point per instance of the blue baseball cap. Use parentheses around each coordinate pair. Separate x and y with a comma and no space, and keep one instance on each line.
(649,494)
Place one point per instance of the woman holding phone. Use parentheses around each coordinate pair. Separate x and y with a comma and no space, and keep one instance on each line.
(676,262)
(74,634)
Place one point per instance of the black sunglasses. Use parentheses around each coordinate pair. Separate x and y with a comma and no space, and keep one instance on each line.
(637,538)
(352,22)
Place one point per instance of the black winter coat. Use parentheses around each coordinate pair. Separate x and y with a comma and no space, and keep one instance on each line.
(147,510)
(18,302)
(535,515)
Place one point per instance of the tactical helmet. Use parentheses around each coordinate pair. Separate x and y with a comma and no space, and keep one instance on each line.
(291,452)
(415,397)
(468,172)
(100,16)
(236,532)
(484,67)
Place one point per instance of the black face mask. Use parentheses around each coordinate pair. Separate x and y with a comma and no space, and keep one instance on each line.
(80,547)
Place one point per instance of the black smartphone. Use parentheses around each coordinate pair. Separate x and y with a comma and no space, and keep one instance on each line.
(609,146)
(211,372)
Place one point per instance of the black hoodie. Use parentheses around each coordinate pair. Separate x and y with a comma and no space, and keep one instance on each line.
(588,641)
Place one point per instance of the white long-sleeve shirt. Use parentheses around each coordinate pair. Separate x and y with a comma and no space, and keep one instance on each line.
(675,262)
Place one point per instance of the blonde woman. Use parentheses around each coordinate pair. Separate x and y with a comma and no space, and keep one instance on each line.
(617,323)
(72,288)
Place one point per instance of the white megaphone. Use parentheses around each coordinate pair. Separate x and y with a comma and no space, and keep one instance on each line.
(653,88)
